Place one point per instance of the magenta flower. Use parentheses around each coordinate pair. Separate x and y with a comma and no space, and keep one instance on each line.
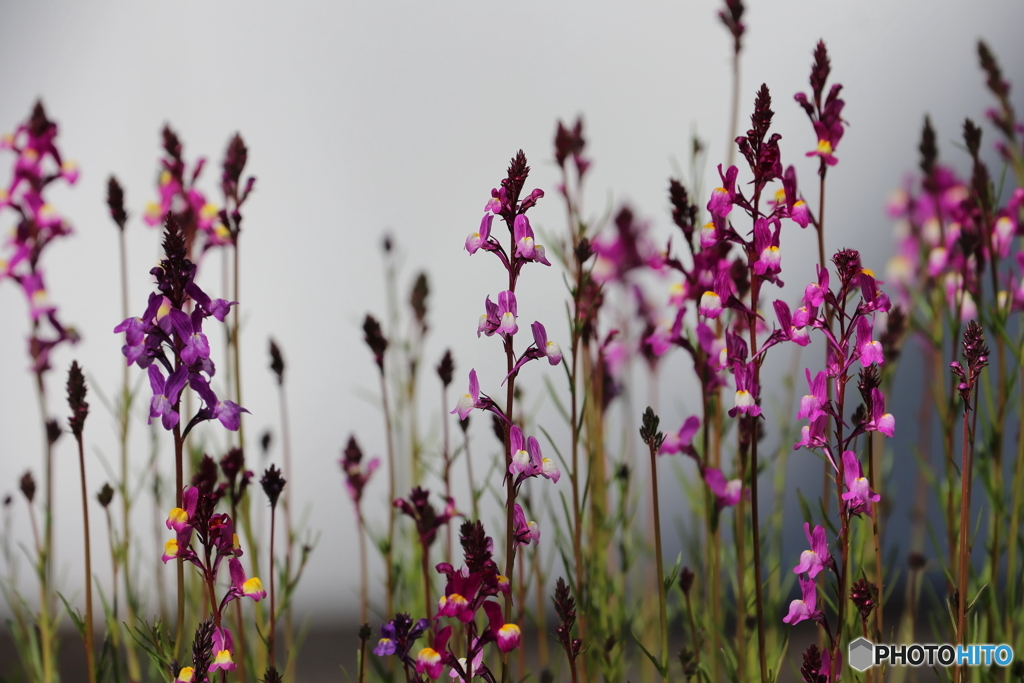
(880,420)
(682,440)
(813,435)
(227,412)
(869,351)
(507,312)
(476,240)
(541,348)
(859,495)
(815,293)
(727,493)
(356,477)
(817,558)
(165,395)
(713,301)
(722,198)
(527,460)
(745,400)
(524,237)
(766,246)
(241,586)
(525,532)
(180,518)
(792,328)
(223,647)
(812,405)
(428,520)
(467,402)
(806,606)
(507,635)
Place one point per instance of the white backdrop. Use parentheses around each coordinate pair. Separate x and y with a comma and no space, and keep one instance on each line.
(362,117)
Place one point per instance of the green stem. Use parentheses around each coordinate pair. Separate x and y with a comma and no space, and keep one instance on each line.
(89,655)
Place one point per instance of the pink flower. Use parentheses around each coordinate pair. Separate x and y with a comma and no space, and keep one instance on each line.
(681,441)
(805,607)
(817,558)
(726,493)
(859,495)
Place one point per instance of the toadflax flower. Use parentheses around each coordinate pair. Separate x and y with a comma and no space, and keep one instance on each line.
(223,647)
(806,607)
(527,460)
(817,558)
(859,495)
(682,440)
(727,493)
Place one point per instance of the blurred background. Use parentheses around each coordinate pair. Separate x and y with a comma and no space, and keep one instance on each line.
(366,119)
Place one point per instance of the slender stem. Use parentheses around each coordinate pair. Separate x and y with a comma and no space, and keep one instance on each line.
(754,513)
(446,455)
(286,442)
(735,114)
(237,338)
(362,659)
(364,603)
(273,592)
(662,616)
(425,569)
(179,479)
(89,655)
(469,475)
(389,574)
(46,549)
(134,671)
(876,536)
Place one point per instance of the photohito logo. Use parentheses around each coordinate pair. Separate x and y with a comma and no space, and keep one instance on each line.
(863,654)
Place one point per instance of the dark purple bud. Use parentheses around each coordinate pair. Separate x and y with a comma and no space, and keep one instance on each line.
(869,379)
(272,675)
(476,545)
(917,561)
(418,299)
(972,137)
(277,362)
(649,430)
(895,330)
(232,463)
(202,649)
(569,142)
(686,578)
(732,17)
(819,70)
(8,499)
(38,124)
(684,214)
(864,595)
(516,178)
(265,441)
(464,424)
(273,484)
(105,495)
(172,145)
(28,486)
(810,672)
(446,368)
(995,82)
(847,263)
(387,244)
(929,149)
(374,338)
(76,400)
(234,163)
(205,478)
(53,431)
(584,250)
(115,202)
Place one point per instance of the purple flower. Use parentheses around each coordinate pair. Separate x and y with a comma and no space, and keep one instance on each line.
(525,532)
(165,395)
(806,607)
(859,495)
(507,312)
(479,239)
(746,391)
(356,477)
(880,420)
(869,351)
(790,330)
(467,402)
(527,460)
(681,441)
(227,412)
(812,405)
(727,493)
(766,246)
(223,647)
(813,435)
(722,198)
(817,558)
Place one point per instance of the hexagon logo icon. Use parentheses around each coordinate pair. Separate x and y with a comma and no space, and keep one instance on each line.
(861,654)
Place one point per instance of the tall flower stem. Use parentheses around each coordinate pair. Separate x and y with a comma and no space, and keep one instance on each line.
(469,475)
(876,537)
(446,455)
(286,444)
(179,483)
(364,602)
(755,286)
(273,591)
(662,614)
(89,654)
(46,644)
(389,552)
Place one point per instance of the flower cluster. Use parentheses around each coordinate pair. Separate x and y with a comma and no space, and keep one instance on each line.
(205,538)
(38,164)
(180,196)
(826,116)
(356,476)
(428,521)
(173,337)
